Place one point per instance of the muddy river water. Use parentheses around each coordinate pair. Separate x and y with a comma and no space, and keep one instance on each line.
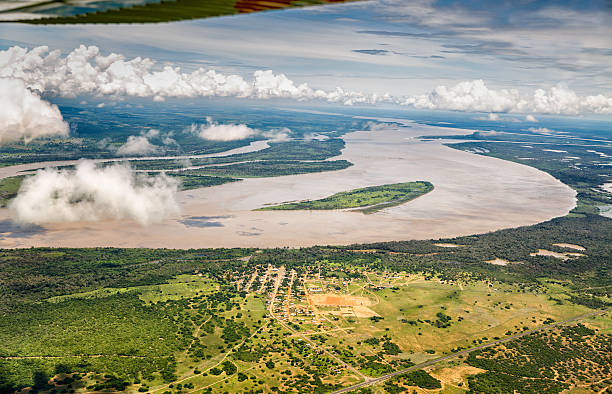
(473,194)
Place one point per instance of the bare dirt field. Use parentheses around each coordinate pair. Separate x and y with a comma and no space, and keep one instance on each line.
(570,246)
(550,253)
(349,304)
(456,375)
(339,300)
(499,261)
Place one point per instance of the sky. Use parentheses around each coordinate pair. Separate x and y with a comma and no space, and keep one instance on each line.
(383,46)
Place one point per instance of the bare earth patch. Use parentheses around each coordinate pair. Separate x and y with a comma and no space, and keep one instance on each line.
(443,245)
(550,253)
(363,311)
(338,300)
(570,246)
(455,375)
(350,305)
(499,261)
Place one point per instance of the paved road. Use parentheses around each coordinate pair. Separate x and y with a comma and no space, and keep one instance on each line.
(466,351)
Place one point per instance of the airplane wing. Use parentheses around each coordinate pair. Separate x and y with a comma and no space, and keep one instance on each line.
(151,12)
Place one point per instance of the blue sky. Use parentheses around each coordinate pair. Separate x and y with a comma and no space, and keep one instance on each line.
(393,46)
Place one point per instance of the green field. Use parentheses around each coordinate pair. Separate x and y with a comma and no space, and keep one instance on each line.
(369,199)
(9,188)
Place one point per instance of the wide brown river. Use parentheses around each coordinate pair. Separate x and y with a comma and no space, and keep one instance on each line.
(473,194)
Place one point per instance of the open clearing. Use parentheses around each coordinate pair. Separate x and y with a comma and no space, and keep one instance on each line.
(550,253)
(447,245)
(454,376)
(499,261)
(339,300)
(350,305)
(570,246)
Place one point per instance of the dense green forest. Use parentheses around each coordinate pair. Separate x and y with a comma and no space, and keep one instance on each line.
(515,245)
(269,168)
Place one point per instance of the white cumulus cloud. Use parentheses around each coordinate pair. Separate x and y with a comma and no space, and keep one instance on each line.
(24,115)
(531,118)
(214,131)
(475,96)
(562,100)
(471,96)
(136,145)
(315,136)
(90,193)
(277,135)
(86,71)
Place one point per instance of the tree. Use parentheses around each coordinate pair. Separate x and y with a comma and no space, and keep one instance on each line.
(229,368)
(62,369)
(41,380)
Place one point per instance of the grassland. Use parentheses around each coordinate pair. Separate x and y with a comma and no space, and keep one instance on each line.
(168,11)
(9,188)
(314,319)
(370,199)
